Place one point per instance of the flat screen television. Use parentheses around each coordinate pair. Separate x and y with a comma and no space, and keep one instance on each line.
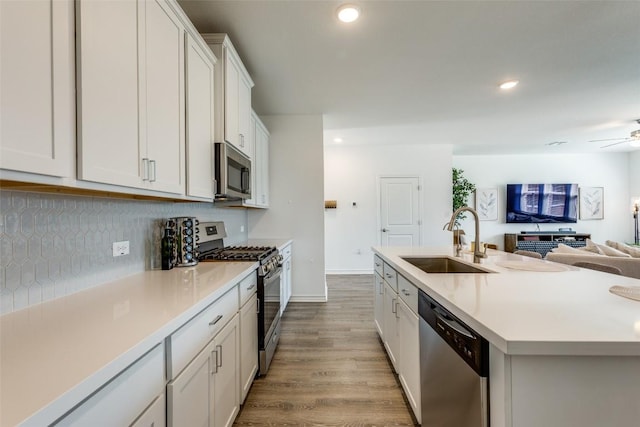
(542,203)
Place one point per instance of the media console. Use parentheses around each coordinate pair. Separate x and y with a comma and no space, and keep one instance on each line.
(543,241)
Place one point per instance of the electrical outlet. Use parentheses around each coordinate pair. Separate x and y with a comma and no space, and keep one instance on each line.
(121,248)
(242,228)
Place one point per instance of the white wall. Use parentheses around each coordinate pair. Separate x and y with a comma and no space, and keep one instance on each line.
(634,173)
(611,171)
(351,175)
(296,200)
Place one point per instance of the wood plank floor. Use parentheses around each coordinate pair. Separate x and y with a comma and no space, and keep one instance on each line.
(330,368)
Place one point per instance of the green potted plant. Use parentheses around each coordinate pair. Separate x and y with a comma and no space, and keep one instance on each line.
(461,190)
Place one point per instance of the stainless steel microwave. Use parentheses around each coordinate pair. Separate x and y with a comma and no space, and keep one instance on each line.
(232,173)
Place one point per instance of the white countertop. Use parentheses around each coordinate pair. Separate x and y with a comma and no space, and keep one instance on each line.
(569,312)
(54,354)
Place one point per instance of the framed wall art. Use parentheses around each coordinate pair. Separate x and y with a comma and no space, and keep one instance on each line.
(487,204)
(591,203)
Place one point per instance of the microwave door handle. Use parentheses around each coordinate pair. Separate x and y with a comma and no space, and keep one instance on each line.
(245,180)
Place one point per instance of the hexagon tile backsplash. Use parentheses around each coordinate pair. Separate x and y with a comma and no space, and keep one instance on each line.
(52,245)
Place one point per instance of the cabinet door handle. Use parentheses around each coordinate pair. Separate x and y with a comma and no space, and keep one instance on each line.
(219,351)
(216,320)
(393,304)
(258,310)
(214,369)
(397,317)
(152,164)
(145,169)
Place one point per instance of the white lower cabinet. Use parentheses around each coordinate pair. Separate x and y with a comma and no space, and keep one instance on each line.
(378,303)
(155,414)
(226,376)
(206,391)
(285,279)
(397,322)
(391,339)
(125,397)
(248,345)
(409,356)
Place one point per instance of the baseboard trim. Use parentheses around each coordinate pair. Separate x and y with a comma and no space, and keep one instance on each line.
(308,298)
(332,272)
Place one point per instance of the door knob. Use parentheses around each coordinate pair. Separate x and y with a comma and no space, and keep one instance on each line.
(384,230)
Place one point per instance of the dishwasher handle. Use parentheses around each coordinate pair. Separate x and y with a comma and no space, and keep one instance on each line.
(443,318)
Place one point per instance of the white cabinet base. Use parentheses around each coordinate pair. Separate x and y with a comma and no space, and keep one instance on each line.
(125,397)
(566,391)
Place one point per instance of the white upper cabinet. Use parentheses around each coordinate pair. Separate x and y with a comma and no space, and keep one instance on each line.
(233,95)
(131,94)
(37,72)
(261,164)
(244,114)
(259,144)
(199,113)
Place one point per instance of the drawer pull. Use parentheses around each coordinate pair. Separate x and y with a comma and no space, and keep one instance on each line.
(406,293)
(251,287)
(214,364)
(216,320)
(389,275)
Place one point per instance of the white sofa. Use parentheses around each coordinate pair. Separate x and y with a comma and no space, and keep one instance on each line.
(629,267)
(620,255)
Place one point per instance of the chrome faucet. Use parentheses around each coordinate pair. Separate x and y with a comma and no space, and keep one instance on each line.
(477,252)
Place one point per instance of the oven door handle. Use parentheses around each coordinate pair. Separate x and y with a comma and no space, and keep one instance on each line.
(271,277)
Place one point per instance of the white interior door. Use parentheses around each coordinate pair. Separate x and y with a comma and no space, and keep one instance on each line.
(399,211)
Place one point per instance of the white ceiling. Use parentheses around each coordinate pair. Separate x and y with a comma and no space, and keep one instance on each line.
(427,71)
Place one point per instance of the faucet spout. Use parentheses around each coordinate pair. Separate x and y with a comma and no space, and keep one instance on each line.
(478,253)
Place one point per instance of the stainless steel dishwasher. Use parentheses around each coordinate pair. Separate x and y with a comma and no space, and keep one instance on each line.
(454,369)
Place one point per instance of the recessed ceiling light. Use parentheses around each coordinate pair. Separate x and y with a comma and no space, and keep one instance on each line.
(337,140)
(509,85)
(348,13)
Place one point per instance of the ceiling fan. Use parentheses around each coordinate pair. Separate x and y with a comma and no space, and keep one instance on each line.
(633,139)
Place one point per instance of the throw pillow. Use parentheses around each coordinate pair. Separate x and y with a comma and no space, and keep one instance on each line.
(564,249)
(634,252)
(591,247)
(609,251)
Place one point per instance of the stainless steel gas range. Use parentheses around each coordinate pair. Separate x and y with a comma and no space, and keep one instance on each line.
(211,248)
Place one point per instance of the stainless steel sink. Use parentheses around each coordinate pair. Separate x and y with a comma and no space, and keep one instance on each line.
(443,265)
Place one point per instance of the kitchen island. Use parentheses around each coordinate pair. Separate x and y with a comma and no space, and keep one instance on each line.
(564,351)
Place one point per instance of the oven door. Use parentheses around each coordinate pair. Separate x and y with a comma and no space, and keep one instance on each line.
(269,306)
